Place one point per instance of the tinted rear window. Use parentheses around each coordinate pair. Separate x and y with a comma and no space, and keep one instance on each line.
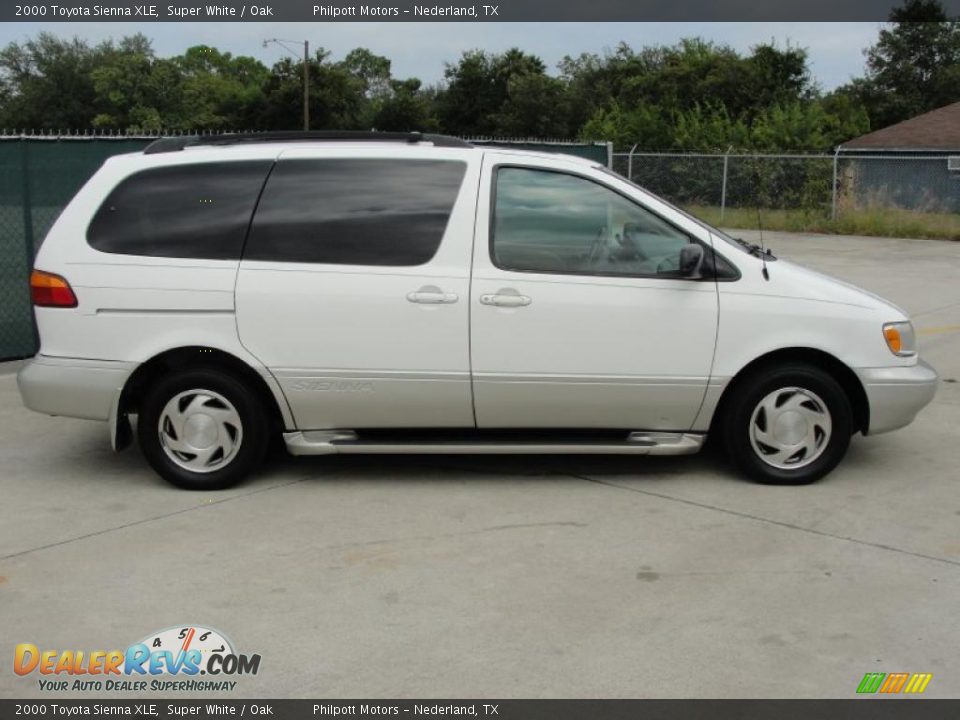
(356,211)
(183,211)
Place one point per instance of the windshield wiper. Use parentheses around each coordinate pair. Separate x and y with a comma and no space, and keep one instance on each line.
(754,248)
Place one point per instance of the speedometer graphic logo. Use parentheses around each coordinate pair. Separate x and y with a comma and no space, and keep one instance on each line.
(179,640)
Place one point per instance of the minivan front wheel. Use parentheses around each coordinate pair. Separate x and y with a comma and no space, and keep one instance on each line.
(202,429)
(789,424)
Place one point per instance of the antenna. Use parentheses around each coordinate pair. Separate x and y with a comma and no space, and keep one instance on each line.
(763,249)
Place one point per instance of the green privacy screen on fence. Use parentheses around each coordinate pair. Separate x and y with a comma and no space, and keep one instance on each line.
(39,175)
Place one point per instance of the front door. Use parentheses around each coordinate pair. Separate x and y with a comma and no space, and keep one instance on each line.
(580,315)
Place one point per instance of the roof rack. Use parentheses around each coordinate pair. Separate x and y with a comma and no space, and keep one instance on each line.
(174,144)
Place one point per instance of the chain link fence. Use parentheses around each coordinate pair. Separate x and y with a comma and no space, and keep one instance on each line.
(915,195)
(924,183)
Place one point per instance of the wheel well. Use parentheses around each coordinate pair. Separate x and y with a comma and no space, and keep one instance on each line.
(838,370)
(195,357)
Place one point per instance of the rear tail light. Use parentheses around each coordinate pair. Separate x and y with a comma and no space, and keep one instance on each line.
(49,290)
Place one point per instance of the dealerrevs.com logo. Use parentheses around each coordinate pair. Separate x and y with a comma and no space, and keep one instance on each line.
(186,658)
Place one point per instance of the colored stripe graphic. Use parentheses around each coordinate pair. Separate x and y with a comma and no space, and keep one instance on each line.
(870,683)
(918,683)
(894,683)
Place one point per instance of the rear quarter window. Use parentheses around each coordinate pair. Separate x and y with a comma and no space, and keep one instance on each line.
(355,211)
(183,211)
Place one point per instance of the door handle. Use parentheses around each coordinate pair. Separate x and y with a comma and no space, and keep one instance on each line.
(505,300)
(432,296)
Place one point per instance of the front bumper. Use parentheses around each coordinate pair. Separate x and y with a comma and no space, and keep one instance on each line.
(897,394)
(73,387)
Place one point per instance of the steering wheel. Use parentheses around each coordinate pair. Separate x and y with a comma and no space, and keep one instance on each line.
(629,247)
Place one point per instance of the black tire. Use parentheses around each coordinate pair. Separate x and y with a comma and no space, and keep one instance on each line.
(745,397)
(253,434)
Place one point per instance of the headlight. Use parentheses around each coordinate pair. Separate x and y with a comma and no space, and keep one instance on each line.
(900,338)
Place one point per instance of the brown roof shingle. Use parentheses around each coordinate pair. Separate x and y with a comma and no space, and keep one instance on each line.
(936,130)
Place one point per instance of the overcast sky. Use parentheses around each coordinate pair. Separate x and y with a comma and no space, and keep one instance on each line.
(420,49)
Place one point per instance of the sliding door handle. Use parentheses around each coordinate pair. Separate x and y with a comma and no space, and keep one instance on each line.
(431,295)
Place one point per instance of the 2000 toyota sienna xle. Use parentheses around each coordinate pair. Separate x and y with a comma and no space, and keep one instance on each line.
(397,293)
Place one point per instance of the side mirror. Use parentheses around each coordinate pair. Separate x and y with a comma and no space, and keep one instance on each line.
(691,260)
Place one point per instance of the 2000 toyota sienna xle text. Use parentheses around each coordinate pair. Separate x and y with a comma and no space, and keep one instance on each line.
(388,293)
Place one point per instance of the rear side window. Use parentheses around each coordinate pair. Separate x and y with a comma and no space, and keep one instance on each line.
(355,211)
(184,211)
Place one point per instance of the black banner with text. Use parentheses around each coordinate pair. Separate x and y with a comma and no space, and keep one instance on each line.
(861,709)
(488,11)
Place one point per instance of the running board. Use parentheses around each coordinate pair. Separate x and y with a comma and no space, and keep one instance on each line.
(347,442)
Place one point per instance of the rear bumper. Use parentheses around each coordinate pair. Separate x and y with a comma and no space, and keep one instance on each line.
(897,394)
(73,387)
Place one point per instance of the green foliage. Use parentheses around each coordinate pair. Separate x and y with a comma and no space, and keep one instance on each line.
(536,105)
(646,125)
(700,97)
(47,83)
(798,127)
(477,91)
(406,107)
(710,129)
(914,67)
(695,96)
(132,86)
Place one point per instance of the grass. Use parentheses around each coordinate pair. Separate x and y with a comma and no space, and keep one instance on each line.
(879,222)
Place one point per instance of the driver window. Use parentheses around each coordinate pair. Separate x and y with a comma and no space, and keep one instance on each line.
(552,222)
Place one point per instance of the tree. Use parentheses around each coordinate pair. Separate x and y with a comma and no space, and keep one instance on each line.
(46,83)
(681,77)
(536,105)
(647,126)
(372,70)
(373,82)
(336,96)
(600,84)
(914,67)
(405,108)
(698,96)
(219,91)
(477,91)
(134,91)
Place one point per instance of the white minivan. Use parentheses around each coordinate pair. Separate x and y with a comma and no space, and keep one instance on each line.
(408,293)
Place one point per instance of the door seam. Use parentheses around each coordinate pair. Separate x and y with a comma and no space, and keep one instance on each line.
(473,251)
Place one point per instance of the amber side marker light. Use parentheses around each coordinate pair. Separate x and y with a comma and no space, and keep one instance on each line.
(894,342)
(901,339)
(49,290)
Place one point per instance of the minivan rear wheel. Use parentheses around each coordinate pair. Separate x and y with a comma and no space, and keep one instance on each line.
(202,429)
(789,424)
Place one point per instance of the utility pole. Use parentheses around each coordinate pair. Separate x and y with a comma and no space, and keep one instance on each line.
(306,84)
(306,72)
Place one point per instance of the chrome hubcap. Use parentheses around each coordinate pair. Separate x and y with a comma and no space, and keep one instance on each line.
(200,430)
(790,428)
